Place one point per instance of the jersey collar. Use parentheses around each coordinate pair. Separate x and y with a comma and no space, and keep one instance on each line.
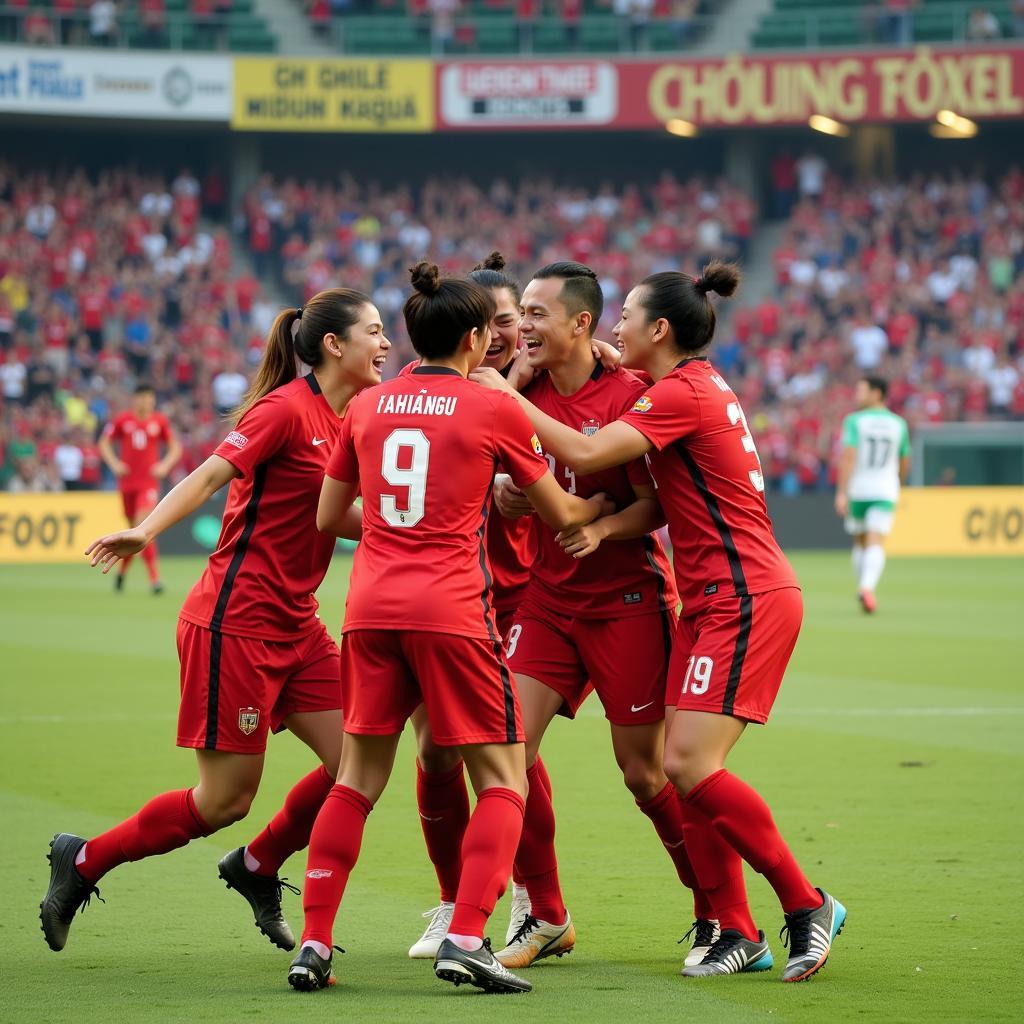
(424,371)
(598,371)
(690,359)
(314,385)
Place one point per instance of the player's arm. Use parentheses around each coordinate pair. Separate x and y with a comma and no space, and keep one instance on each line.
(905,455)
(561,510)
(109,456)
(847,460)
(336,514)
(642,516)
(182,500)
(171,457)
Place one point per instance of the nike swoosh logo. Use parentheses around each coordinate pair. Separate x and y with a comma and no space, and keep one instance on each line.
(319,440)
(674,846)
(635,709)
(425,818)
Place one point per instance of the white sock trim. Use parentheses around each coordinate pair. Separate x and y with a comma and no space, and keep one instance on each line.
(251,863)
(322,951)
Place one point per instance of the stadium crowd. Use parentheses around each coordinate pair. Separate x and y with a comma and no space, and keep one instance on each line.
(107,280)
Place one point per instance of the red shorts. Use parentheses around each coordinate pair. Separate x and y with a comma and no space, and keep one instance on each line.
(235,689)
(464,683)
(730,657)
(504,620)
(141,498)
(625,660)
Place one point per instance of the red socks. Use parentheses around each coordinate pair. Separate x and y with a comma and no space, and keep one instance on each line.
(667,818)
(537,775)
(487,851)
(289,829)
(742,818)
(149,556)
(333,851)
(166,823)
(444,814)
(535,862)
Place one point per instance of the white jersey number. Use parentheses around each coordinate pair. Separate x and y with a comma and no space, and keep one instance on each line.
(698,675)
(140,439)
(735,414)
(414,478)
(569,474)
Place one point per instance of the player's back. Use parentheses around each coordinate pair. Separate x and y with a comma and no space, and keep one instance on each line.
(427,445)
(880,438)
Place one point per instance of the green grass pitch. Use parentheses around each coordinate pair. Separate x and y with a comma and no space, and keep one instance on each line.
(893,764)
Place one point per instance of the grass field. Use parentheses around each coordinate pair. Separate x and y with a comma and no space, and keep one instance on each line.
(893,763)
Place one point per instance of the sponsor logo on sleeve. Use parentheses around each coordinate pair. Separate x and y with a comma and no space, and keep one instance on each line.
(535,441)
(237,439)
(643,404)
(590,427)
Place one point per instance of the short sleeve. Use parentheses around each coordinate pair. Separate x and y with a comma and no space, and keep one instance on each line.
(666,412)
(113,428)
(517,447)
(904,440)
(261,433)
(343,464)
(850,431)
(165,430)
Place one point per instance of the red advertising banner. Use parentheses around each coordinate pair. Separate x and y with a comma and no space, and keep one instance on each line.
(861,86)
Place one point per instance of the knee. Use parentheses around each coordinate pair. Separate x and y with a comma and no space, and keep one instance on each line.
(435,760)
(685,768)
(226,809)
(644,779)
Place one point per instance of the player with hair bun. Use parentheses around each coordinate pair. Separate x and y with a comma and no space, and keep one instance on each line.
(421,450)
(742,607)
(254,654)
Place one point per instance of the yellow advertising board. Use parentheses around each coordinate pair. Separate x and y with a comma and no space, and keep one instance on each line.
(55,527)
(959,521)
(333,95)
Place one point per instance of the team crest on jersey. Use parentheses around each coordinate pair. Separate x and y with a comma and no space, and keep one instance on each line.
(643,404)
(590,427)
(248,719)
(237,439)
(535,441)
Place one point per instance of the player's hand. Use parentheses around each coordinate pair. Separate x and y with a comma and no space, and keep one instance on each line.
(157,472)
(607,355)
(107,551)
(490,378)
(120,469)
(511,501)
(842,505)
(583,540)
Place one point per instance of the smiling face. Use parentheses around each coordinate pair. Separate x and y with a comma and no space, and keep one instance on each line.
(504,330)
(546,328)
(633,333)
(364,350)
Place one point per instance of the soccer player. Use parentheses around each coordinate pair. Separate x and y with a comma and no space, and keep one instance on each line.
(137,464)
(875,457)
(419,625)
(583,624)
(742,607)
(254,654)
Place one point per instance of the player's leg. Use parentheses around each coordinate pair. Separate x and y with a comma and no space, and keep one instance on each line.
(443,803)
(878,523)
(147,499)
(129,502)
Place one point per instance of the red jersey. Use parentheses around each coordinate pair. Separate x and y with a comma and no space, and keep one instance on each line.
(423,448)
(270,557)
(710,486)
(627,577)
(510,546)
(139,445)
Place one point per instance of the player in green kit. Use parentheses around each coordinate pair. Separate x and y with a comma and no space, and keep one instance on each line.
(874,459)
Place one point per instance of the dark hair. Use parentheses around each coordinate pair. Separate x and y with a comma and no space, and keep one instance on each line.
(491,274)
(144,388)
(580,290)
(879,384)
(683,301)
(441,310)
(330,312)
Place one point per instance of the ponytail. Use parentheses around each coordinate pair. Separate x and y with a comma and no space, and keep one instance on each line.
(297,337)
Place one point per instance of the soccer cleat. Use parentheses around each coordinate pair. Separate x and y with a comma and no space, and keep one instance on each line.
(518,912)
(536,940)
(810,937)
(157,588)
(264,895)
(427,945)
(118,582)
(705,932)
(478,967)
(67,892)
(733,953)
(868,601)
(310,971)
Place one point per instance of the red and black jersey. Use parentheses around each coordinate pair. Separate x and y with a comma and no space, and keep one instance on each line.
(139,440)
(423,448)
(270,558)
(626,577)
(710,486)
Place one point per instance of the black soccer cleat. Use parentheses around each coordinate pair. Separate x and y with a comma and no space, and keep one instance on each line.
(809,935)
(478,968)
(68,890)
(118,582)
(705,932)
(157,588)
(732,953)
(264,895)
(310,971)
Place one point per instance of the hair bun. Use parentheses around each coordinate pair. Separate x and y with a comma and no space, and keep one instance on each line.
(494,262)
(718,277)
(426,278)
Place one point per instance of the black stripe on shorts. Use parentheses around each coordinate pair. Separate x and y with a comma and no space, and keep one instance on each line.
(739,653)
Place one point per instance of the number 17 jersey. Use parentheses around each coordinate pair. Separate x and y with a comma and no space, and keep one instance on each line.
(424,449)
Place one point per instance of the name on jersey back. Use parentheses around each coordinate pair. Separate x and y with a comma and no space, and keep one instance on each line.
(417,405)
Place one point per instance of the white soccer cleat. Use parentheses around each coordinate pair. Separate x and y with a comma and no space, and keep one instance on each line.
(536,940)
(705,934)
(518,912)
(427,945)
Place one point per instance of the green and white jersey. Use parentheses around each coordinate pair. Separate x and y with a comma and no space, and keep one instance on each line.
(881,439)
